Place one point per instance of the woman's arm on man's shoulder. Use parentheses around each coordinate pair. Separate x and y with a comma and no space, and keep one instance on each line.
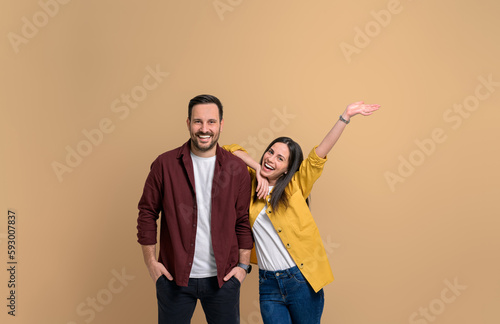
(262,183)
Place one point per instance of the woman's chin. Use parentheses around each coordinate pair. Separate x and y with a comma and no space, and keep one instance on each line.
(264,174)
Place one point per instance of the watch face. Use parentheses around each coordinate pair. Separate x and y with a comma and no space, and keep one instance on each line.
(245,267)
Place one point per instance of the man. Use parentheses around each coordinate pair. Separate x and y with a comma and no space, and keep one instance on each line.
(202,193)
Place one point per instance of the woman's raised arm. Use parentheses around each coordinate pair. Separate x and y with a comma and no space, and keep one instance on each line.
(334,134)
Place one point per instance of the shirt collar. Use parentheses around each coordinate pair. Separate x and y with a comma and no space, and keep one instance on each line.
(186,149)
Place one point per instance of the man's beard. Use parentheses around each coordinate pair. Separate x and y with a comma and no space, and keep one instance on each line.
(195,139)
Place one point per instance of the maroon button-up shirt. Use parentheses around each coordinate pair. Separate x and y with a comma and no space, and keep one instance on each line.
(170,192)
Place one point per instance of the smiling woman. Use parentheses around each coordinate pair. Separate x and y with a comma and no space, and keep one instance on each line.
(281,155)
(293,265)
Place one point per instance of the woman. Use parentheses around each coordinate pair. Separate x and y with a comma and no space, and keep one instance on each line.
(293,266)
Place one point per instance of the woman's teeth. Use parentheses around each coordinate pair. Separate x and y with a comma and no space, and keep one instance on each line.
(268,166)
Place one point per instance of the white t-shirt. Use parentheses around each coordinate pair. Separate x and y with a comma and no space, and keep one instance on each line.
(204,260)
(271,252)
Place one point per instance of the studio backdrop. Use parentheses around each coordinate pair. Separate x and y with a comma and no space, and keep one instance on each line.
(93,91)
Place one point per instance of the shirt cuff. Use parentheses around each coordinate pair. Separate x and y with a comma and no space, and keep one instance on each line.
(315,159)
(245,243)
(146,237)
(233,148)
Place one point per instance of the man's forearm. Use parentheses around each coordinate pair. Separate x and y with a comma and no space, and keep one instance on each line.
(149,253)
(244,256)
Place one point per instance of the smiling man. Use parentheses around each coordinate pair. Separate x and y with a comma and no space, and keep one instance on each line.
(202,194)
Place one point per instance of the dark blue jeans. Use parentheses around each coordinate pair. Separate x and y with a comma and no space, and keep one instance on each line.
(286,297)
(176,304)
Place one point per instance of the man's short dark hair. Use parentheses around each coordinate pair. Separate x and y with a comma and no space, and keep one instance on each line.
(204,99)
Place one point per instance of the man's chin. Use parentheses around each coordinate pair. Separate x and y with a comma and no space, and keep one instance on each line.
(203,147)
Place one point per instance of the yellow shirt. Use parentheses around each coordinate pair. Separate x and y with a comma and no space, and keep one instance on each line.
(295,224)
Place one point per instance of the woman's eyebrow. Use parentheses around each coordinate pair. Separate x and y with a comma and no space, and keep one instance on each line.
(282,156)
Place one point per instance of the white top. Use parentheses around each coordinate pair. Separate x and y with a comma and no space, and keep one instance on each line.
(271,252)
(204,260)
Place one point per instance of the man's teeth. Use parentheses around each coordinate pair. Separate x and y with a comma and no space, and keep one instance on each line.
(204,136)
(268,166)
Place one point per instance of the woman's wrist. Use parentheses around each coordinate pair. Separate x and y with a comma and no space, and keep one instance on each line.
(346,115)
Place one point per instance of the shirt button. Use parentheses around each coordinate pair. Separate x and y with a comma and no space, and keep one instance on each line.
(277,274)
(280,230)
(301,265)
(288,245)
(194,225)
(192,244)
(268,211)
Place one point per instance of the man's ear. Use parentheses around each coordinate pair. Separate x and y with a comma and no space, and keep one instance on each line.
(188,123)
(221,124)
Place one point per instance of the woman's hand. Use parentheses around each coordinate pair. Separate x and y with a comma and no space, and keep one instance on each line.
(360,108)
(334,134)
(262,184)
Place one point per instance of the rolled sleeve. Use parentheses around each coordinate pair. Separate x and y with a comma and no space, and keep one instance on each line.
(231,148)
(310,170)
(315,160)
(150,206)
(242,227)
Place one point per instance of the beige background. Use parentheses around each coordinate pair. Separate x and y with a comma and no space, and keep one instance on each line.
(391,247)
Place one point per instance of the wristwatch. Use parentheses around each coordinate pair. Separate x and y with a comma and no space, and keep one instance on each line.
(343,120)
(246,267)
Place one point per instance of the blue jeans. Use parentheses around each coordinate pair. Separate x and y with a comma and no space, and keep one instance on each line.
(286,297)
(176,304)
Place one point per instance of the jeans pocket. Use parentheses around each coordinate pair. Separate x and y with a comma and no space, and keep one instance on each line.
(233,282)
(299,277)
(162,280)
